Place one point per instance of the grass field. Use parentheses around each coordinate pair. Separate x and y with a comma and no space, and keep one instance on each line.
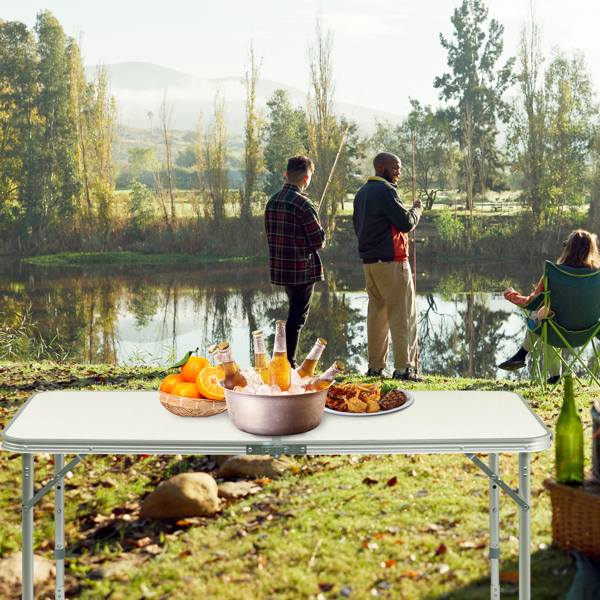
(395,526)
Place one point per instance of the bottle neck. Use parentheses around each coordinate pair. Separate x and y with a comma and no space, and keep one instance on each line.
(330,374)
(316,351)
(259,344)
(280,344)
(226,357)
(568,398)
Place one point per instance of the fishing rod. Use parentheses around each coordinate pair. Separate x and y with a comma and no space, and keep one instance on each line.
(414,196)
(337,156)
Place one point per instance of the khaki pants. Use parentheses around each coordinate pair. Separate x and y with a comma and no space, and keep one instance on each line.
(392,309)
(553,363)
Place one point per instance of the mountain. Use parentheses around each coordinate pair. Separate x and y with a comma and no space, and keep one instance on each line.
(138,86)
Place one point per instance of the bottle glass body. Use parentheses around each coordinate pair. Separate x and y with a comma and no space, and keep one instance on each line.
(280,369)
(307,368)
(233,377)
(569,439)
(261,358)
(326,379)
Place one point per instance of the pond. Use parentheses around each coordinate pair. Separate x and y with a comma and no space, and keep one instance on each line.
(154,314)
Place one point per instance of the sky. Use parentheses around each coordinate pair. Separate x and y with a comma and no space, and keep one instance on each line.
(384,51)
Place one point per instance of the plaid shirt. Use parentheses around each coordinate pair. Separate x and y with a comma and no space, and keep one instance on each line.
(294,234)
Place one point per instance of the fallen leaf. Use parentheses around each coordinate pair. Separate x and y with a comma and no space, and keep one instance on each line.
(325,587)
(509,577)
(153,549)
(413,473)
(143,542)
(441,550)
(393,481)
(378,536)
(369,481)
(263,480)
(185,554)
(370,545)
(388,563)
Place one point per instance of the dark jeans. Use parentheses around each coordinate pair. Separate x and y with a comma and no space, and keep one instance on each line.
(300,297)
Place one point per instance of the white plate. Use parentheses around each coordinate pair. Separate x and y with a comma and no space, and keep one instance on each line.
(409,400)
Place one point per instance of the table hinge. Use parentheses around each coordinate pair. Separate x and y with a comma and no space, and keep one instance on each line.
(496,479)
(58,477)
(275,450)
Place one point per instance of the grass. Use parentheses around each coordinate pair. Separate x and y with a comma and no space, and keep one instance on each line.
(328,522)
(86,259)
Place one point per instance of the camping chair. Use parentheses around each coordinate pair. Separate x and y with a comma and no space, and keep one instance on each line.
(572,299)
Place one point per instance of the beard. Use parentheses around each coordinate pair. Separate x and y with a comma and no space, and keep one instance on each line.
(387,176)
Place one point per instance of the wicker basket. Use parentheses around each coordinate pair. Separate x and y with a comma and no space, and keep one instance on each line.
(576,517)
(596,444)
(189,407)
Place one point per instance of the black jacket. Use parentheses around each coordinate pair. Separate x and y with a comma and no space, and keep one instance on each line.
(377,206)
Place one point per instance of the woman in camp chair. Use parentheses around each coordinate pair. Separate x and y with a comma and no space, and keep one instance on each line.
(581,252)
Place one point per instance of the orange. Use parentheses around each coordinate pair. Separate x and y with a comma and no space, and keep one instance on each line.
(169,382)
(208,383)
(187,390)
(192,367)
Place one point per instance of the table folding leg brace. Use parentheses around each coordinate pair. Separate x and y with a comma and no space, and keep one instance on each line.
(29,501)
(523,500)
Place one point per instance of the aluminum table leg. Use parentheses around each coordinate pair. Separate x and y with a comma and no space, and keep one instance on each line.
(525,527)
(59,529)
(27,528)
(494,529)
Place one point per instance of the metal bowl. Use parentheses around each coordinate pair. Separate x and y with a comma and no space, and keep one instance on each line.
(276,415)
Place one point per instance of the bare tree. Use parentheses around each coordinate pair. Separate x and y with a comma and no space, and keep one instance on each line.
(320,112)
(215,151)
(199,201)
(254,134)
(166,110)
(469,162)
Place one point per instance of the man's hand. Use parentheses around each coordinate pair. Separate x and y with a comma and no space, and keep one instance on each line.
(417,204)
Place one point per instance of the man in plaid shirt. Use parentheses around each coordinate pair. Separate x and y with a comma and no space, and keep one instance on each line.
(294,234)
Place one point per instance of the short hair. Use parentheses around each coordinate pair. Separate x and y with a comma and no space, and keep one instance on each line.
(299,166)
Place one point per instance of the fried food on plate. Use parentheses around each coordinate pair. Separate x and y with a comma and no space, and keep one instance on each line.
(356,405)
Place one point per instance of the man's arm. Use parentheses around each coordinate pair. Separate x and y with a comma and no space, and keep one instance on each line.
(315,234)
(403,220)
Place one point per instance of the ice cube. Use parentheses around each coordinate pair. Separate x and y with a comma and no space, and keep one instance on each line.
(275,389)
(306,380)
(296,389)
(284,394)
(242,390)
(296,379)
(264,390)
(252,387)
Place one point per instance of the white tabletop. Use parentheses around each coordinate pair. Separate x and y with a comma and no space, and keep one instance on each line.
(134,422)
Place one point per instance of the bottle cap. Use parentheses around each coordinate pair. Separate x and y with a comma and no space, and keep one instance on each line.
(339,365)
(322,341)
(223,346)
(257,333)
(280,321)
(212,349)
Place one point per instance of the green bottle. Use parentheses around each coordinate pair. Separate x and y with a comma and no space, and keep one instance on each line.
(569,439)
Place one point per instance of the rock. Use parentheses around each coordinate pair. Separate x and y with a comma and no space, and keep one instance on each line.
(184,495)
(237,489)
(10,569)
(220,458)
(253,466)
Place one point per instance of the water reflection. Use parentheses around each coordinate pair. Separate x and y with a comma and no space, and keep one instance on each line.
(153,314)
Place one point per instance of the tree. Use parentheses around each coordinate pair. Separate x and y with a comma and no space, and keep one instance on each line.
(215,152)
(166,110)
(432,149)
(321,122)
(476,87)
(140,207)
(102,135)
(285,137)
(254,130)
(141,160)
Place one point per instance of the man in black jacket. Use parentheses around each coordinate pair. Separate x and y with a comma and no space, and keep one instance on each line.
(382,224)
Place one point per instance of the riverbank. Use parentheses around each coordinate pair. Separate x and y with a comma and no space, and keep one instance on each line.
(404,526)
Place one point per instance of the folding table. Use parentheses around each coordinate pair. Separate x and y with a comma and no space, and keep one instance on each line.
(132,422)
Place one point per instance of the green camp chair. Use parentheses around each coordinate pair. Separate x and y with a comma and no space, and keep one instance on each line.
(573,297)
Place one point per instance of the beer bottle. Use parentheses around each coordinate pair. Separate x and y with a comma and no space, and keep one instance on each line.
(261,358)
(307,368)
(233,376)
(327,378)
(569,439)
(215,354)
(280,369)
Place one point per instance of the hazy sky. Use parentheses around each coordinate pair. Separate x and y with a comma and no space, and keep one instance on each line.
(388,49)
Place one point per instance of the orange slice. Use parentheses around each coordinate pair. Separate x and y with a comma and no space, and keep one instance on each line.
(208,383)
(187,390)
(192,367)
(169,382)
